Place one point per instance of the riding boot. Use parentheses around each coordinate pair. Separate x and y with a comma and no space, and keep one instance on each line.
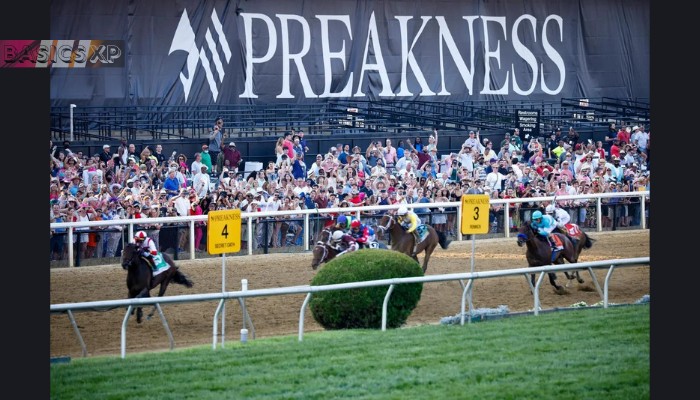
(415,244)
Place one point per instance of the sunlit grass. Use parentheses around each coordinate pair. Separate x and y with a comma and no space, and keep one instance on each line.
(592,354)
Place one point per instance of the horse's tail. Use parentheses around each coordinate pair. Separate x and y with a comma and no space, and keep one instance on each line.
(182,279)
(589,242)
(442,239)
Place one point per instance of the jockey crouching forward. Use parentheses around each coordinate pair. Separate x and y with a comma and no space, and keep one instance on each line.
(561,218)
(363,234)
(545,224)
(343,242)
(409,220)
(343,223)
(146,246)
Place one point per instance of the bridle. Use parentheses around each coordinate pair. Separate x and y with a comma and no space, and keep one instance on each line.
(131,260)
(523,238)
(389,225)
(324,246)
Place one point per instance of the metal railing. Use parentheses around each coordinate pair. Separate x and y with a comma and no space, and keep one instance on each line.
(335,116)
(68,308)
(248,217)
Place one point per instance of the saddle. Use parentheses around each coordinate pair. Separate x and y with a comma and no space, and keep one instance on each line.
(158,265)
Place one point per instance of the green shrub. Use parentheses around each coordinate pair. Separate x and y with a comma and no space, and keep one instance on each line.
(362,308)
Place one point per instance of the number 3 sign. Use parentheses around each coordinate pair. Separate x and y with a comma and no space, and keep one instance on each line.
(475,214)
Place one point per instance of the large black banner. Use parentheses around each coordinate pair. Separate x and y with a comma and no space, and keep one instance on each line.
(197,52)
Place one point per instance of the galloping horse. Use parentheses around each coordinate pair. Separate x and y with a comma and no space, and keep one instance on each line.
(324,250)
(403,241)
(581,241)
(140,279)
(539,252)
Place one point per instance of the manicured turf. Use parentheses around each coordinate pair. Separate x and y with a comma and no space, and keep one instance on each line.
(582,354)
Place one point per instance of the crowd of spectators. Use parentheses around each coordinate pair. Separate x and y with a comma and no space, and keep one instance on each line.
(125,184)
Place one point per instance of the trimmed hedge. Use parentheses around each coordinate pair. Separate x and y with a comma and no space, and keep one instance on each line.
(362,308)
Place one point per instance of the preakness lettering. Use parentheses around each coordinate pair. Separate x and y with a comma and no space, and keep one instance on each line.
(265,36)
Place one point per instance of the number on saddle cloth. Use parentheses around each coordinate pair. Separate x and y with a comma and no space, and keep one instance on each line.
(573,230)
(422,232)
(159,262)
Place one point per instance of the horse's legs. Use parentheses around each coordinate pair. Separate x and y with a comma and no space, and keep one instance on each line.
(428,252)
(552,277)
(139,311)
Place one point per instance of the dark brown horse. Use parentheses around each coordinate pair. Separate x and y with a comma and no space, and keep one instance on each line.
(539,252)
(403,241)
(580,242)
(140,278)
(323,251)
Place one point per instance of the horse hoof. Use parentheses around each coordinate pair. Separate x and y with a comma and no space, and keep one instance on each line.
(580,281)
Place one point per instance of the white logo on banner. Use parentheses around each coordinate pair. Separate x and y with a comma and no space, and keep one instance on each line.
(184,40)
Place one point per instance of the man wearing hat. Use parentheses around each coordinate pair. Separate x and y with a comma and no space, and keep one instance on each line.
(105,155)
(506,140)
(233,156)
(206,157)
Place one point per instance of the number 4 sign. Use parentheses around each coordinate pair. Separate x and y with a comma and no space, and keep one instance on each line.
(475,214)
(224,232)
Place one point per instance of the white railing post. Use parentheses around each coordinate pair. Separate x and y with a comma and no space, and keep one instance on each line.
(384,306)
(506,219)
(459,221)
(131,232)
(71,262)
(250,235)
(599,214)
(305,232)
(644,211)
(191,240)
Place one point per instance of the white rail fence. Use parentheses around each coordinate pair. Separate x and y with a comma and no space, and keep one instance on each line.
(190,220)
(69,308)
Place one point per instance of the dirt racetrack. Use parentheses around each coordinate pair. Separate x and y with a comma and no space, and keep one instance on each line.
(191,324)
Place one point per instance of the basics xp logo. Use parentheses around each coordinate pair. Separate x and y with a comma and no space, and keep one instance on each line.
(62,53)
(184,40)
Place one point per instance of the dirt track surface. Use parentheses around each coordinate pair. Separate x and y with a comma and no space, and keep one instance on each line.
(191,324)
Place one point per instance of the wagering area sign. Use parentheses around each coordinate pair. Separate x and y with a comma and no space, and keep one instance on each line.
(224,232)
(475,214)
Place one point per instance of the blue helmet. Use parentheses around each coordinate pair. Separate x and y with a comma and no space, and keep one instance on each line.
(342,219)
(537,215)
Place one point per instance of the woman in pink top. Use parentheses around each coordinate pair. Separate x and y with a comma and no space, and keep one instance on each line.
(562,192)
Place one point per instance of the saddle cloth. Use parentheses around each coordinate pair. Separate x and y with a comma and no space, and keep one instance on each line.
(573,230)
(160,266)
(422,231)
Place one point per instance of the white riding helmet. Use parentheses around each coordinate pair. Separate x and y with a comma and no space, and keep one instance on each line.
(337,235)
(402,210)
(549,209)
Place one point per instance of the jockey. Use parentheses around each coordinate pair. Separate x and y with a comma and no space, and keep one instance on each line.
(147,246)
(560,216)
(409,220)
(344,242)
(545,224)
(343,223)
(363,234)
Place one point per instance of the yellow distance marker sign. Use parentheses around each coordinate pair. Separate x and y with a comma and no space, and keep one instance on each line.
(224,231)
(475,214)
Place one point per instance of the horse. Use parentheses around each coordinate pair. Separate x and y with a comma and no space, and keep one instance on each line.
(403,241)
(539,252)
(580,241)
(140,279)
(324,251)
